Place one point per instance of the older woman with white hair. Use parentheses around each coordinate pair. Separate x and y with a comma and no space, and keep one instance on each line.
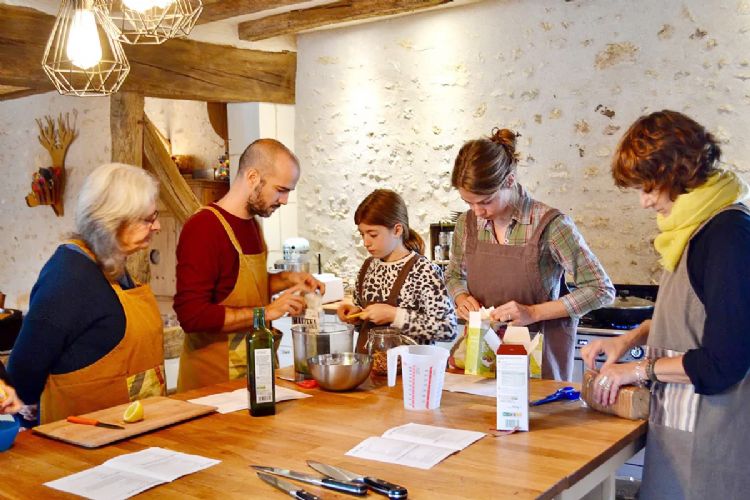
(92,337)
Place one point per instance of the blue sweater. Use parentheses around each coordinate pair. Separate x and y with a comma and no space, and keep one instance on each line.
(719,271)
(74,319)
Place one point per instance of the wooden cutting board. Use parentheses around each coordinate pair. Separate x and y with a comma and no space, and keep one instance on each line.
(157,411)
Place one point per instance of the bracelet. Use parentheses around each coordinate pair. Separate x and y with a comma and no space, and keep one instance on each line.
(640,374)
(650,373)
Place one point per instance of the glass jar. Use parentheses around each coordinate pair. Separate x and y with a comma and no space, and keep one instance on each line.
(379,340)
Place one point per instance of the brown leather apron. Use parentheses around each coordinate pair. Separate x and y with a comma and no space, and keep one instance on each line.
(496,274)
(392,296)
(134,369)
(211,358)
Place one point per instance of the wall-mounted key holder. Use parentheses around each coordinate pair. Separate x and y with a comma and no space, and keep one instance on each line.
(48,183)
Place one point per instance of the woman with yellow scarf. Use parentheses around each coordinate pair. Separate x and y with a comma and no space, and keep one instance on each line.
(698,342)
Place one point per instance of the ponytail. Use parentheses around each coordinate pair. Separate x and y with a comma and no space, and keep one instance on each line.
(413,242)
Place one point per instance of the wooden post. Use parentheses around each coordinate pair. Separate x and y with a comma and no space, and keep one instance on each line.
(126,126)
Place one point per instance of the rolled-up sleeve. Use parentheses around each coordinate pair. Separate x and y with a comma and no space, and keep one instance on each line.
(455,274)
(593,289)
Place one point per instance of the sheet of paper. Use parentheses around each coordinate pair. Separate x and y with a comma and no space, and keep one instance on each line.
(228,402)
(471,384)
(445,437)
(415,445)
(127,475)
(159,463)
(104,483)
(393,451)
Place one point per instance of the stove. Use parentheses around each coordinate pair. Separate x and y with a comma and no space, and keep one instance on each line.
(590,329)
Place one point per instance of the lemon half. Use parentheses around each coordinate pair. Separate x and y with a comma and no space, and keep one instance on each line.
(134,412)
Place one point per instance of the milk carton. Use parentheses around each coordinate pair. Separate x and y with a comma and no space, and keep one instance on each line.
(513,378)
(480,353)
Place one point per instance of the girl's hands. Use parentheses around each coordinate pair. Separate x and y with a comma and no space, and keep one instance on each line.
(380,314)
(345,310)
(465,304)
(9,402)
(513,312)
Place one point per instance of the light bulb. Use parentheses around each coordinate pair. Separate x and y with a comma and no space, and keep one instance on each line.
(144,5)
(83,48)
(139,5)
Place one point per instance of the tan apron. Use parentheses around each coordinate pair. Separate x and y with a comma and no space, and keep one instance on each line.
(212,358)
(134,369)
(496,274)
(392,299)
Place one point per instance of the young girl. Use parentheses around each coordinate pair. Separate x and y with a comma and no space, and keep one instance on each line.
(397,285)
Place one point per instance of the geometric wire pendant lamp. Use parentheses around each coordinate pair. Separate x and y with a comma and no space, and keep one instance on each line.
(82,58)
(152,21)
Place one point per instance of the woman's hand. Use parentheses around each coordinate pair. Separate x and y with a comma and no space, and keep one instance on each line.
(610,379)
(613,349)
(345,310)
(380,314)
(9,402)
(289,301)
(465,304)
(513,312)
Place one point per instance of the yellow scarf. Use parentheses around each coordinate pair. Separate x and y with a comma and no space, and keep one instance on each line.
(692,209)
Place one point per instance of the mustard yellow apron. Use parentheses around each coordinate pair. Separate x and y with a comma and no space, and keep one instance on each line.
(134,369)
(211,358)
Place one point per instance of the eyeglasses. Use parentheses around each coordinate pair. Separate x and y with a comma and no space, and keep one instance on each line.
(151,219)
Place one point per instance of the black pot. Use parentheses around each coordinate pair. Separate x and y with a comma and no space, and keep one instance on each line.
(625,311)
(10,326)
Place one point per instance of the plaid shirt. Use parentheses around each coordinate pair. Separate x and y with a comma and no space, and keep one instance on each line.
(562,246)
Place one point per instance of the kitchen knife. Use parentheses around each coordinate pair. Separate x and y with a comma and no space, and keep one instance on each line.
(377,485)
(90,421)
(352,488)
(288,487)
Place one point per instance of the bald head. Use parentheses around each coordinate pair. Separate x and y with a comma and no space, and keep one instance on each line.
(263,155)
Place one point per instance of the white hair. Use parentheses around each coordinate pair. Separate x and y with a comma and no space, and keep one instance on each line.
(112,195)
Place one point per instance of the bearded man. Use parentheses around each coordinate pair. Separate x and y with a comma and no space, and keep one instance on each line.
(221,268)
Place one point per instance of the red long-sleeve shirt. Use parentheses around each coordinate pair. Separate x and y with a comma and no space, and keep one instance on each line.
(207,267)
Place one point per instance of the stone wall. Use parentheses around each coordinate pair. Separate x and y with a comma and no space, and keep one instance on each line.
(389,103)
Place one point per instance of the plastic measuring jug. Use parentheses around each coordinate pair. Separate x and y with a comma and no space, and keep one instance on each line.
(422,374)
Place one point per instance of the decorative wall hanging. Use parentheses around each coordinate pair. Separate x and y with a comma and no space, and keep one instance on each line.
(82,58)
(48,184)
(151,21)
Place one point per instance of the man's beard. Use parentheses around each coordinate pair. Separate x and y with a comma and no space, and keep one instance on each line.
(255,205)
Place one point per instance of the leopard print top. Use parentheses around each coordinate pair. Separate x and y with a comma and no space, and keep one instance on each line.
(425,312)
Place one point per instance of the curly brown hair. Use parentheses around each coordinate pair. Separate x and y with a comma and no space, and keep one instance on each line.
(665,150)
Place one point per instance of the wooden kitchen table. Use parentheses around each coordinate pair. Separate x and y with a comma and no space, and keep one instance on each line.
(569,450)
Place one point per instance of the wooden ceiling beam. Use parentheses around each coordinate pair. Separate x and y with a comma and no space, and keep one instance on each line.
(178,69)
(326,14)
(218,10)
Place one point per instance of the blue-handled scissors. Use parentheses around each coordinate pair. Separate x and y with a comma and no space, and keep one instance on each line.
(565,393)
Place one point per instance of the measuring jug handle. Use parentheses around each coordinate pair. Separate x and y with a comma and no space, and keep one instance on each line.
(393,354)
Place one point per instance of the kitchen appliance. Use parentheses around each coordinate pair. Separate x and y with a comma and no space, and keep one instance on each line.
(615,321)
(295,257)
(330,337)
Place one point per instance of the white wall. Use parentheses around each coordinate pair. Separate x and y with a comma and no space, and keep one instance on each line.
(30,235)
(251,121)
(389,103)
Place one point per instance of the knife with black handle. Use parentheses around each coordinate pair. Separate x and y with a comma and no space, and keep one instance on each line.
(393,491)
(351,487)
(287,487)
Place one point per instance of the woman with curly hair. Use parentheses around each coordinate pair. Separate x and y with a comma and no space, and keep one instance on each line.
(697,343)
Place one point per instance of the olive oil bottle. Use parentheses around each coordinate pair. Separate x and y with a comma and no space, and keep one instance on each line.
(261,392)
